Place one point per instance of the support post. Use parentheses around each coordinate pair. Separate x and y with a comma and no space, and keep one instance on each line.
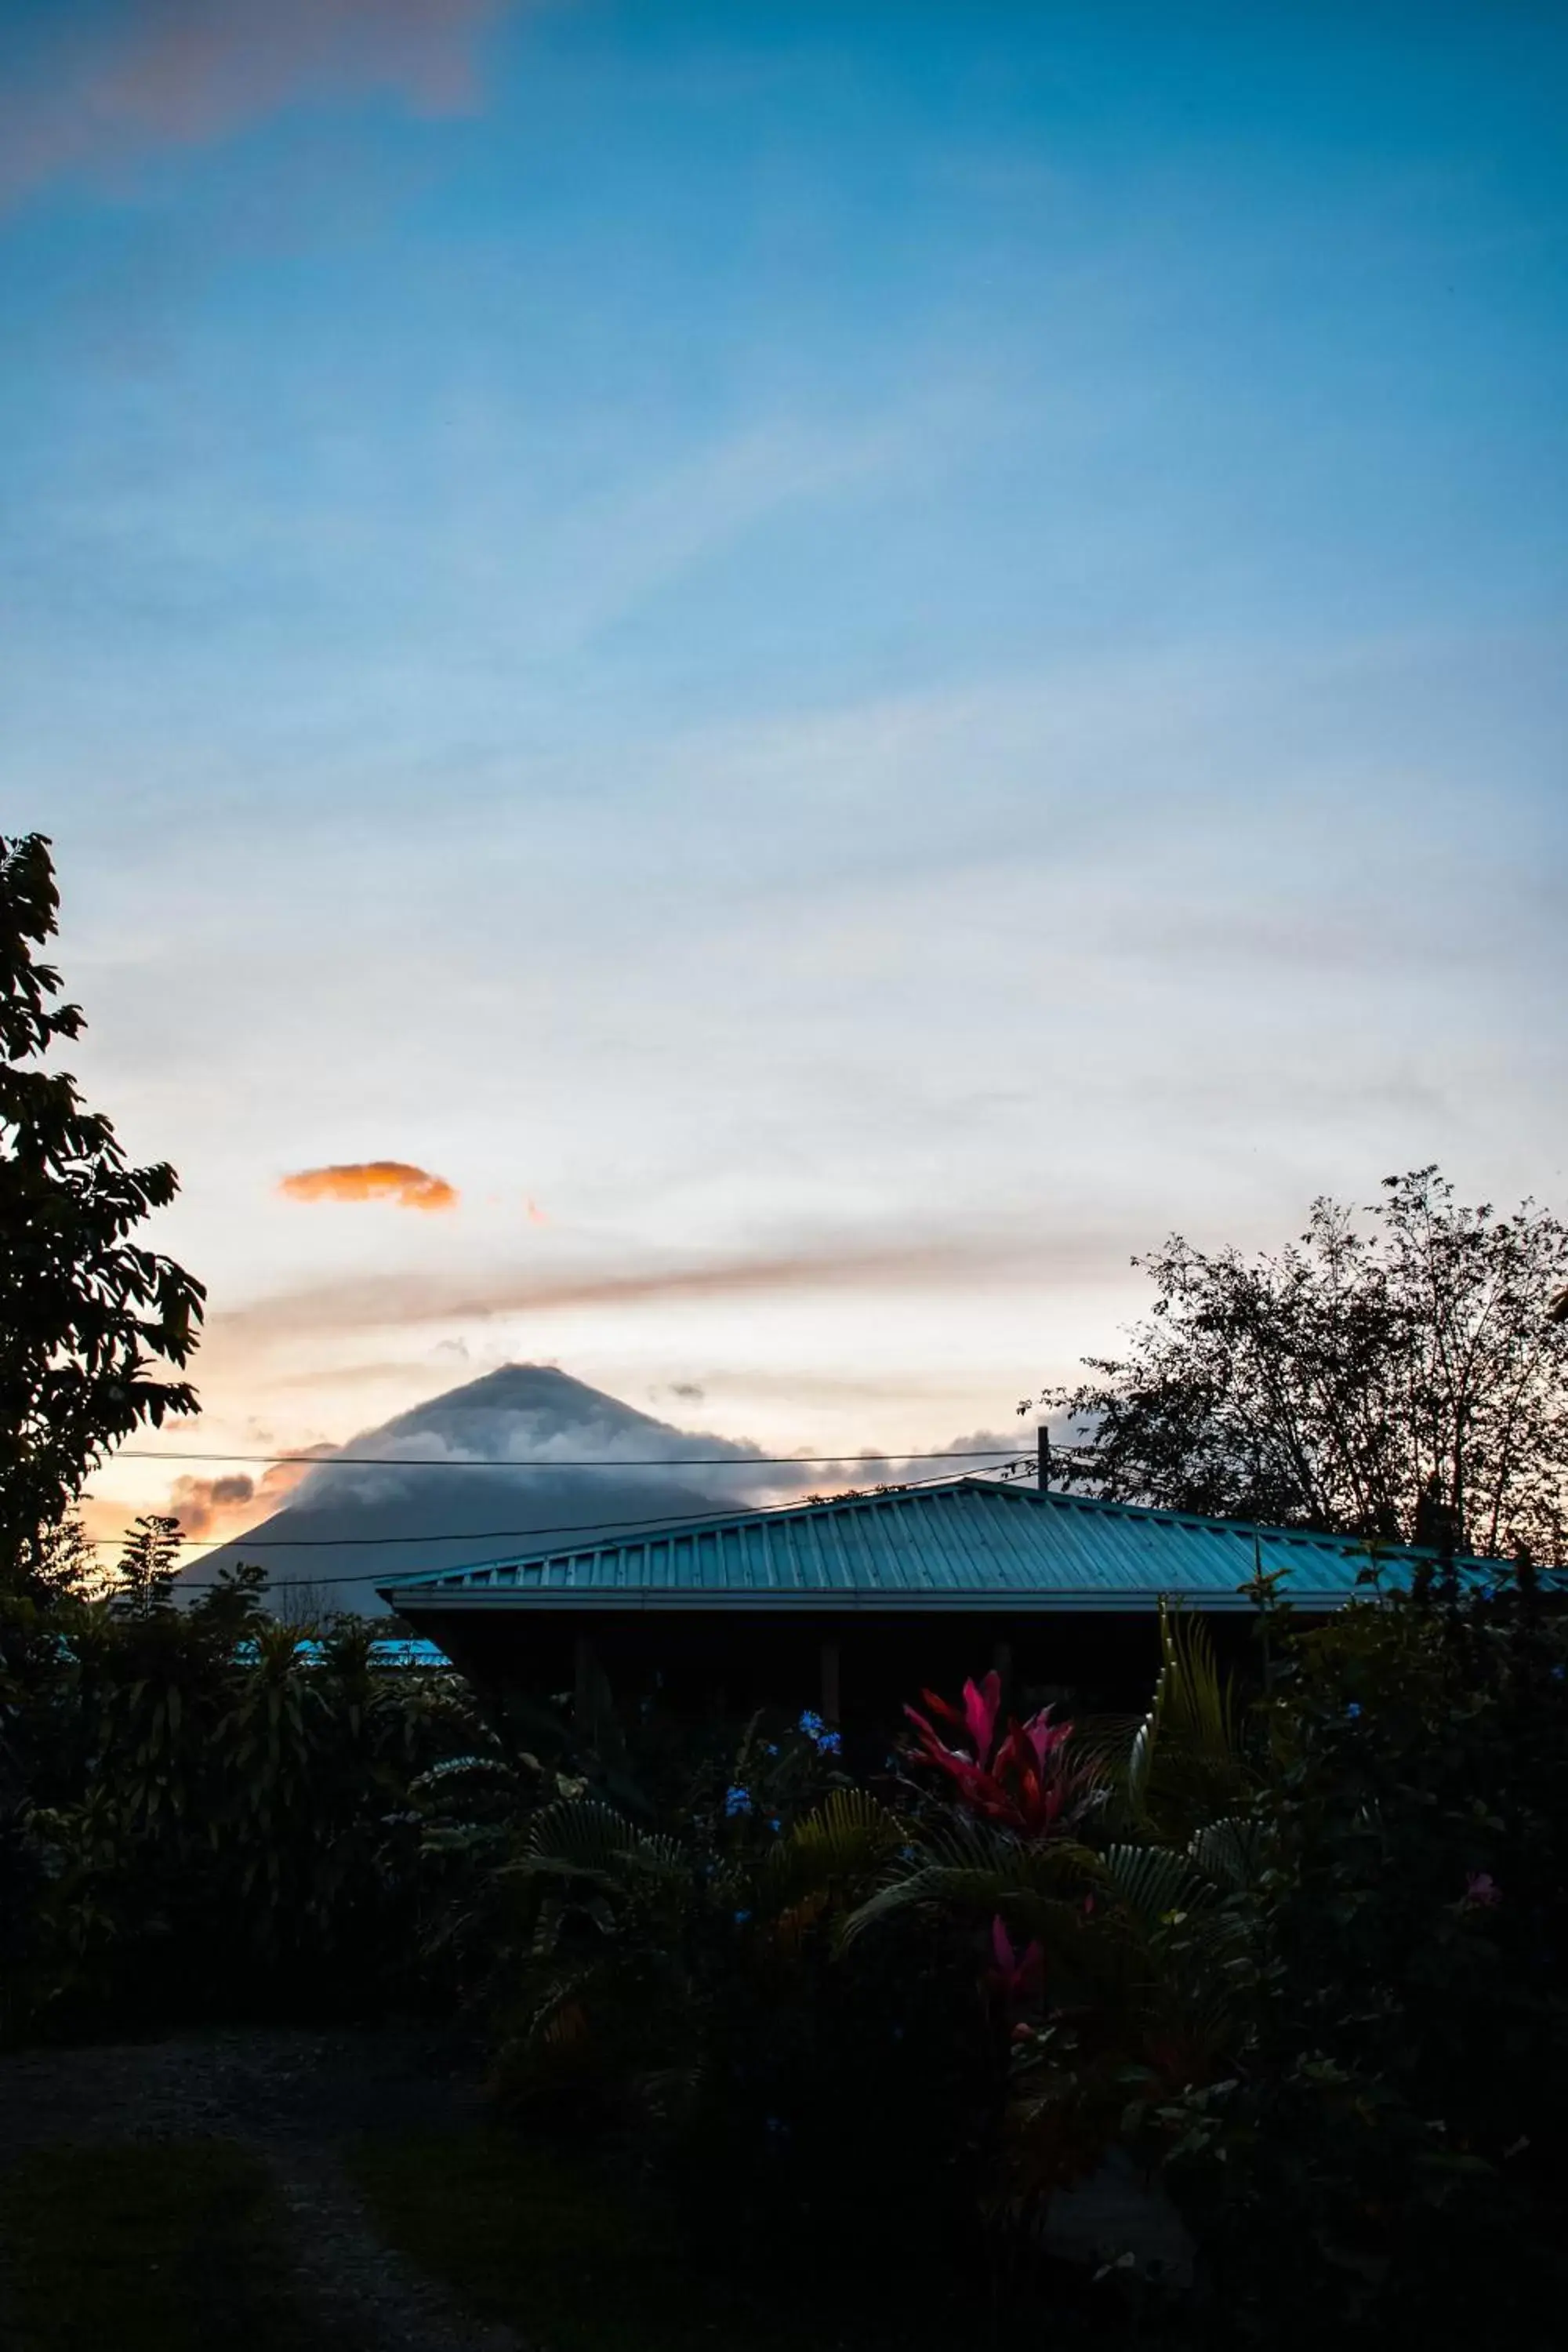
(830,1681)
(1043,1443)
(1002,1667)
(584,1667)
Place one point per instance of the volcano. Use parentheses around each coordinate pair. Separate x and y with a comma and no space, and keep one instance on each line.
(391,1502)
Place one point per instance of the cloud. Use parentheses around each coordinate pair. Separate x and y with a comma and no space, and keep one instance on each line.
(208,1506)
(532,1425)
(371,1180)
(187,73)
(379,1301)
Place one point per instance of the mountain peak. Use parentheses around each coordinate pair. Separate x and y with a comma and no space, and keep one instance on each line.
(510,1388)
(389,1501)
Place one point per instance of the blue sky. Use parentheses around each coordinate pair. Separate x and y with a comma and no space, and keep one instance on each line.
(875,651)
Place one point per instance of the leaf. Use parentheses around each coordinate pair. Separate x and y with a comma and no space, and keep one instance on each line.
(1230,1853)
(1152,1881)
(849,1835)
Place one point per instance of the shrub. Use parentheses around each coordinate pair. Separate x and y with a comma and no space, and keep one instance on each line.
(1386,2155)
(210,1814)
(669,1980)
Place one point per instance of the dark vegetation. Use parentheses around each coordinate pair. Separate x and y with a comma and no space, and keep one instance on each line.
(87,1314)
(1234,2025)
(1403,1377)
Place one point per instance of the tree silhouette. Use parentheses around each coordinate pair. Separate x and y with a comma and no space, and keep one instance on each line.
(1403,1376)
(86,1315)
(145,1576)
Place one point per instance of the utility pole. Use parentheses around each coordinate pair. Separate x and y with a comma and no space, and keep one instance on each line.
(1042,1473)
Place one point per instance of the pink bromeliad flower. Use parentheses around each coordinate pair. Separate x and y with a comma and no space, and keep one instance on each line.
(1023,1781)
(1016,1976)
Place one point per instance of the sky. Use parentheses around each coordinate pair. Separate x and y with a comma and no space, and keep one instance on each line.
(824,666)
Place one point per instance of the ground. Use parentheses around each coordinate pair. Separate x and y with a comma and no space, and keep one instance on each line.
(290,2191)
(88,2136)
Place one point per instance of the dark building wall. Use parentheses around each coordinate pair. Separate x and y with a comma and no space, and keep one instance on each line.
(859,1668)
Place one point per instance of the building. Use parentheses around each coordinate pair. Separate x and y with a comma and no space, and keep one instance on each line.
(857,1605)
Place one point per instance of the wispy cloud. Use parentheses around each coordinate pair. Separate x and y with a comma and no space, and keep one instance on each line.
(385,1301)
(623,550)
(397,1180)
(188,73)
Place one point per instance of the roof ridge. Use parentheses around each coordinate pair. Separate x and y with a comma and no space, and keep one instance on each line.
(658,1530)
(995,1490)
(1385,1547)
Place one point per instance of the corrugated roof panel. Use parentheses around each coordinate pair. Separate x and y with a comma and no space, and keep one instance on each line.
(972,1537)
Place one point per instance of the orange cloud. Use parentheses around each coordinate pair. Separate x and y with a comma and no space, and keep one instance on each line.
(222,1506)
(187,73)
(371,1180)
(207,1508)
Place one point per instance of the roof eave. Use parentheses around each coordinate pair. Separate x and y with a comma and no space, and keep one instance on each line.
(427,1598)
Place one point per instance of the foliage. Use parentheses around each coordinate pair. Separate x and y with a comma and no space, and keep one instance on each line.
(1405,1379)
(1024,1779)
(1108,1969)
(674,1981)
(1287,1951)
(86,1315)
(66,1561)
(144,1577)
(1386,2156)
(1291,1951)
(935,1995)
(211,1811)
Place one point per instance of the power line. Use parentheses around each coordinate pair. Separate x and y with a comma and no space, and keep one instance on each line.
(991,1454)
(632,1462)
(499,1535)
(459,1535)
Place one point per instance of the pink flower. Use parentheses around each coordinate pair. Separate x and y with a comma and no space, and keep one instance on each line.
(1481,1888)
(1026,1780)
(1017,1976)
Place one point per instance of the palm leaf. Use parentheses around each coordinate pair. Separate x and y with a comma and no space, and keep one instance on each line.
(1230,1852)
(981,1894)
(960,1841)
(1188,1756)
(1152,1881)
(578,1837)
(849,1836)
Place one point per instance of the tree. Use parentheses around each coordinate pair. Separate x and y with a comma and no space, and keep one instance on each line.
(66,1561)
(87,1315)
(145,1574)
(235,1603)
(1402,1377)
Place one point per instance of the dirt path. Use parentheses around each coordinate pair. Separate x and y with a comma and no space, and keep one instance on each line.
(293,2098)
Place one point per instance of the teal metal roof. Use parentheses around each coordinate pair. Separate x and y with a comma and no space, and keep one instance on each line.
(970,1543)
